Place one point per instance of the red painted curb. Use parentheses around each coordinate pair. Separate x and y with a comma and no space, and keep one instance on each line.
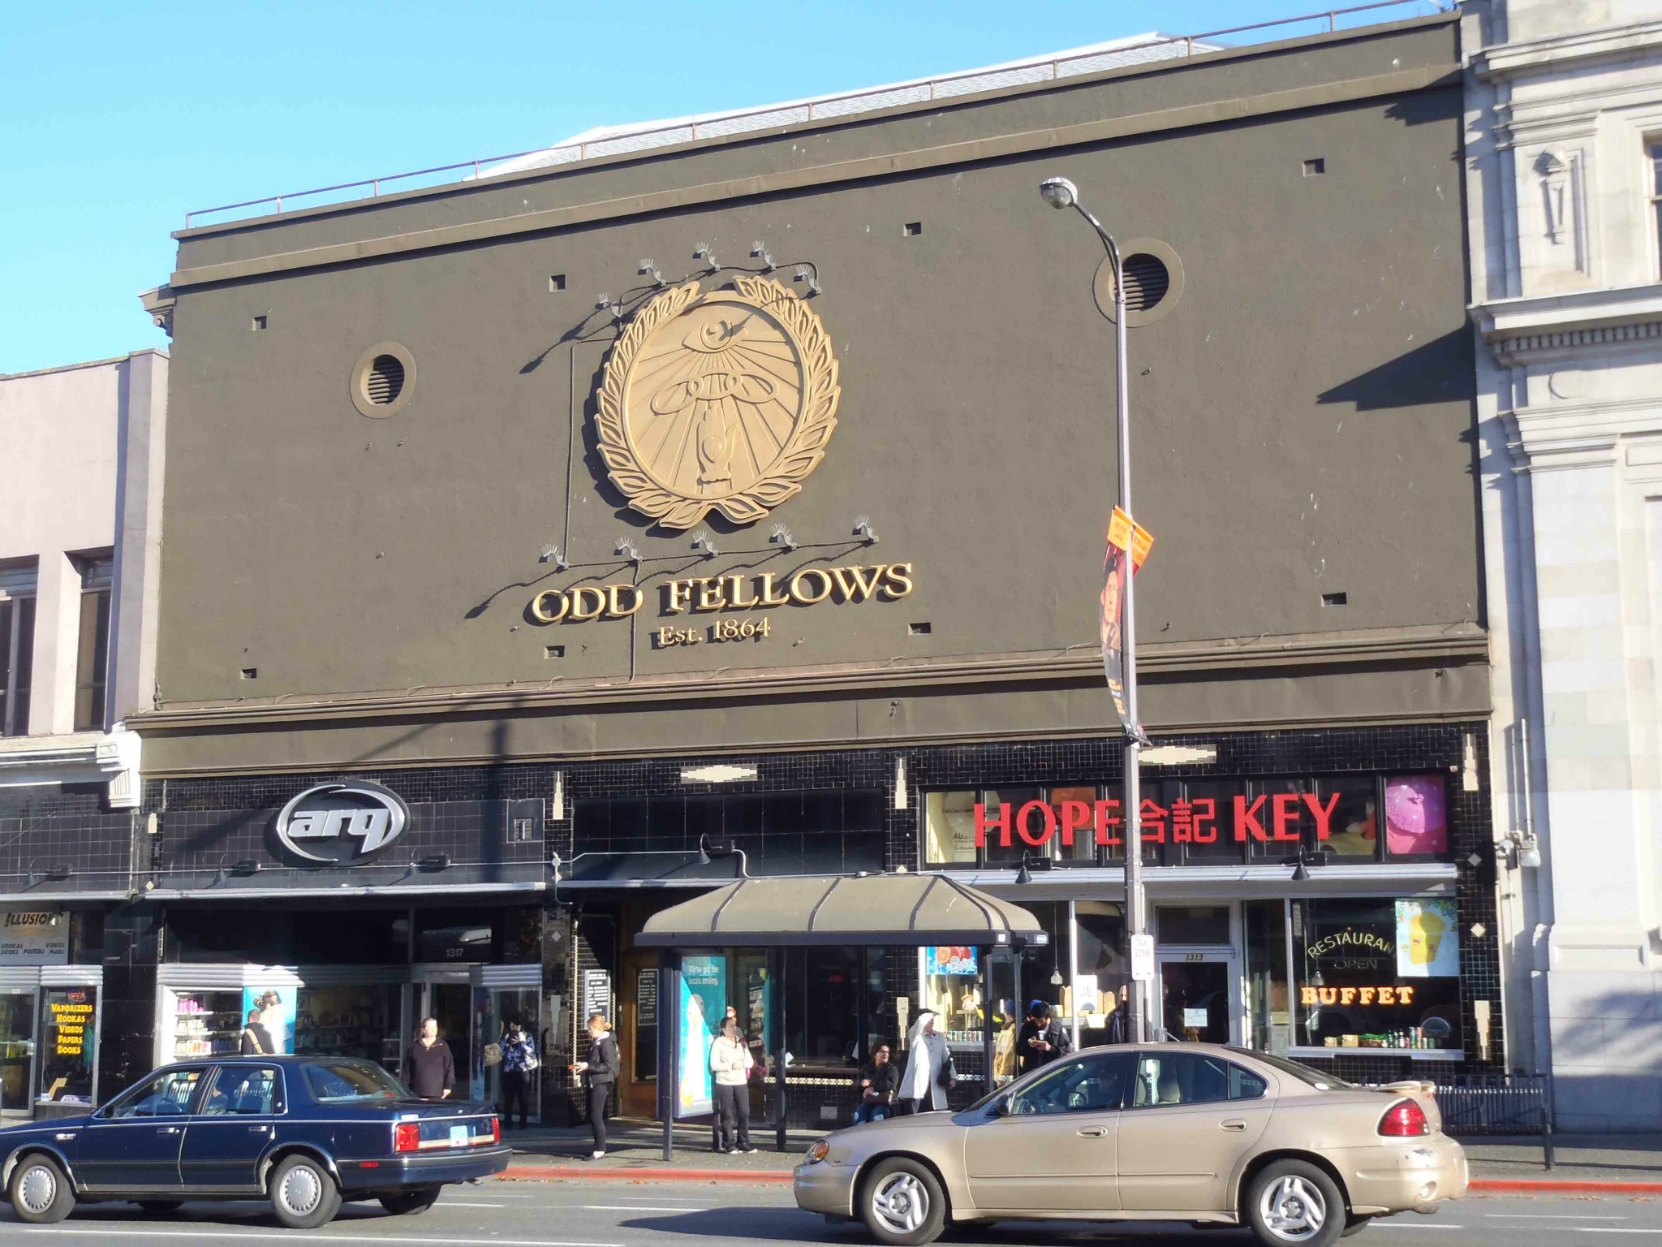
(562,1173)
(1536,1186)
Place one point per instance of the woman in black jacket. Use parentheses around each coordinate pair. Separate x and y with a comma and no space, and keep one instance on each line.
(601,1071)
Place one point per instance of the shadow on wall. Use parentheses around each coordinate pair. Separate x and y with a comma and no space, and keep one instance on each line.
(1437,371)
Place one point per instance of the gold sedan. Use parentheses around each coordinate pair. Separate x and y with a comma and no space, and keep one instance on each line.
(1173,1132)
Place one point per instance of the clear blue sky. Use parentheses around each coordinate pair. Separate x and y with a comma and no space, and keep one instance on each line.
(115,118)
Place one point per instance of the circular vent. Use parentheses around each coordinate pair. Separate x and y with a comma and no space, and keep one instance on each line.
(386,377)
(1146,282)
(383,379)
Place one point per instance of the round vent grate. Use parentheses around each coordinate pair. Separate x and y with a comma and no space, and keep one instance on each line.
(1146,282)
(386,377)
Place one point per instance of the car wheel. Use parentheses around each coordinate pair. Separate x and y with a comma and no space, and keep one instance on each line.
(303,1195)
(160,1205)
(408,1203)
(1294,1204)
(902,1203)
(40,1192)
(1355,1225)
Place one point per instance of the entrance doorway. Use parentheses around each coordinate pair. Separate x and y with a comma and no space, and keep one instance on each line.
(1199,995)
(17,1053)
(637,1035)
(451,1003)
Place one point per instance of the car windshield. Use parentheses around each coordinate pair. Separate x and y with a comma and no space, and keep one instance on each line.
(336,1082)
(1315,1078)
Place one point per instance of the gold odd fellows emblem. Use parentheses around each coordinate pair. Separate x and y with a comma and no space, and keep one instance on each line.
(719,401)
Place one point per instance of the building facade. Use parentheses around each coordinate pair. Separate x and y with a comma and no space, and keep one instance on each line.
(1563,122)
(545,548)
(79,552)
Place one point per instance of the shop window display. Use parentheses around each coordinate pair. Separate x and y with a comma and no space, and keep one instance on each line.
(69,1026)
(1269,1018)
(207,1023)
(1377,974)
(1416,823)
(348,1021)
(1101,972)
(952,975)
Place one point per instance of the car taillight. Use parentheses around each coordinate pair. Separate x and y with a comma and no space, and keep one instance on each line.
(496,1130)
(406,1137)
(1404,1120)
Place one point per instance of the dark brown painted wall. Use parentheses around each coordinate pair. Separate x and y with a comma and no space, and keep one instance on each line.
(1301,419)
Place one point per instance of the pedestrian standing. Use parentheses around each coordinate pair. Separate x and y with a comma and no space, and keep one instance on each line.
(519,1058)
(930,1073)
(256,1039)
(429,1069)
(1042,1038)
(600,1072)
(730,1062)
(878,1083)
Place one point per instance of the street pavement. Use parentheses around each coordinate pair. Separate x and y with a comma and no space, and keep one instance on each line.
(626,1213)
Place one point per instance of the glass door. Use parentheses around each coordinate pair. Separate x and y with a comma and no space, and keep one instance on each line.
(451,1005)
(17,1052)
(502,1006)
(1199,992)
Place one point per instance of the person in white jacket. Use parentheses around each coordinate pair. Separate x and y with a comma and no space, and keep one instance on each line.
(730,1062)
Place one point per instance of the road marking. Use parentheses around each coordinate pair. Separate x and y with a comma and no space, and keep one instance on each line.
(1546,1216)
(1610,1229)
(470,1203)
(641,1208)
(1409,1225)
(187,1233)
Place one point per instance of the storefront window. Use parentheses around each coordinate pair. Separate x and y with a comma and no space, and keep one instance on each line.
(952,988)
(68,1044)
(1353,826)
(1416,823)
(360,1021)
(17,1049)
(1268,1018)
(1100,968)
(1192,924)
(1377,974)
(207,1023)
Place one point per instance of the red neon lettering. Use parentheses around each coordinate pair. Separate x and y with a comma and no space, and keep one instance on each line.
(1286,815)
(1246,820)
(1194,821)
(1049,824)
(1001,825)
(1076,816)
(1323,813)
(1153,820)
(1108,821)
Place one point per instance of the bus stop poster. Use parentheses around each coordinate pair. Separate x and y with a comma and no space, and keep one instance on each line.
(703,1002)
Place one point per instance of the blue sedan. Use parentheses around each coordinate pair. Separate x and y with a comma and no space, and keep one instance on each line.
(306,1133)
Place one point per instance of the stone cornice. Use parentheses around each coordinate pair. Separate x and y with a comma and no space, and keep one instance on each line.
(1457,643)
(1537,326)
(1564,52)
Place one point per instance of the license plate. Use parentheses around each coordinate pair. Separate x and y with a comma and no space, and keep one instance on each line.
(458,1135)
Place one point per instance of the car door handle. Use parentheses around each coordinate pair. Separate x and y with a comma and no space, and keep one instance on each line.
(168,1130)
(258,1129)
(1093,1132)
(1234,1123)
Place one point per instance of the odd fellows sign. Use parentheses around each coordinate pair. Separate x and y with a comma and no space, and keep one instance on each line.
(1266,818)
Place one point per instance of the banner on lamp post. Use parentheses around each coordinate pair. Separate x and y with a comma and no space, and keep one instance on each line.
(1127,541)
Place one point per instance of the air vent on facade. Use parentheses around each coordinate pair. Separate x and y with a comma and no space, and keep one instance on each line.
(386,379)
(1146,282)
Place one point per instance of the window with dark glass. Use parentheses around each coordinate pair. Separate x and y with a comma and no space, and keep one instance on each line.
(17,646)
(92,654)
(1656,193)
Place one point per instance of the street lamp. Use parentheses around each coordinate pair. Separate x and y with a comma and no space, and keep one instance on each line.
(1061,193)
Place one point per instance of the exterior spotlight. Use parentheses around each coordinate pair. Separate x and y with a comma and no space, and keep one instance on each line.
(1300,875)
(626,549)
(702,542)
(781,536)
(1023,875)
(434,864)
(554,555)
(1059,192)
(863,528)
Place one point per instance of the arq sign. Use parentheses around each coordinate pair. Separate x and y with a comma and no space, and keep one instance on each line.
(342,824)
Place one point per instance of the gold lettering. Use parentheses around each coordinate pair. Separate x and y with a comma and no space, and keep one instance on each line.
(1307,995)
(1368,994)
(856,584)
(710,597)
(1347,995)
(587,601)
(542,606)
(735,593)
(799,594)
(615,608)
(676,594)
(1327,995)
(898,578)
(1387,996)
(1406,995)
(767,598)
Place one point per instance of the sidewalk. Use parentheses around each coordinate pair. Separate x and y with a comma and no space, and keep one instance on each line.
(1606,1164)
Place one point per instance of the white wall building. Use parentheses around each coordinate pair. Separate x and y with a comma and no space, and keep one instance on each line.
(1564,169)
(80,544)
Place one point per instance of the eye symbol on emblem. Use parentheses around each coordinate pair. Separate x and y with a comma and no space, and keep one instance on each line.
(342,824)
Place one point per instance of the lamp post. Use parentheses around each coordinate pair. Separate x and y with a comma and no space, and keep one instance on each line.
(1061,193)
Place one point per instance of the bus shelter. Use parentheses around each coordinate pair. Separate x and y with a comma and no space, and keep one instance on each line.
(892,910)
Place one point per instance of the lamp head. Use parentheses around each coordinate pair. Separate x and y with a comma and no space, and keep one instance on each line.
(1059,192)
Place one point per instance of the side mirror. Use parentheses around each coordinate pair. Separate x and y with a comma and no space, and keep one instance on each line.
(1001,1106)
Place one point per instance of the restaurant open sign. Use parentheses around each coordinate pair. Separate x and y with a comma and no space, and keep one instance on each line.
(1267,818)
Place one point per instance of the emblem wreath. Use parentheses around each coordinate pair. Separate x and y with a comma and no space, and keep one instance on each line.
(802,451)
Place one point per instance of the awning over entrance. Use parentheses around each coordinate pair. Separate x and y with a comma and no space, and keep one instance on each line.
(838,909)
